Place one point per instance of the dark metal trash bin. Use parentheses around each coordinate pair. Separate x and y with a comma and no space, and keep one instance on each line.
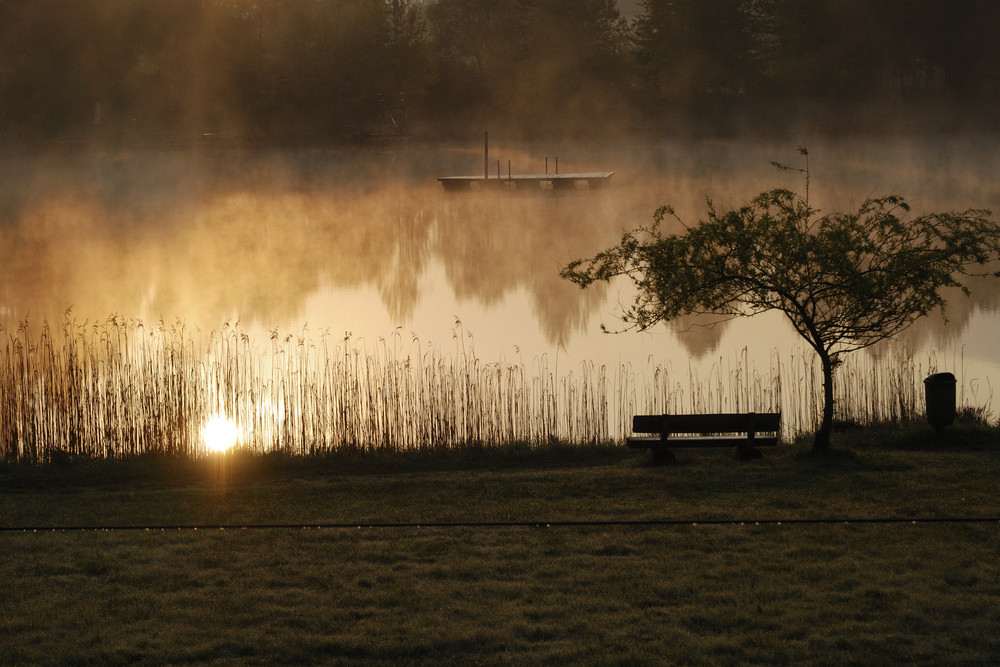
(939,391)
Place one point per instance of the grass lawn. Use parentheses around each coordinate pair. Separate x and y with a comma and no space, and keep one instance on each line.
(692,593)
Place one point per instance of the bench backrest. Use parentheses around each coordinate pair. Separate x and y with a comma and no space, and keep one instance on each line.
(735,422)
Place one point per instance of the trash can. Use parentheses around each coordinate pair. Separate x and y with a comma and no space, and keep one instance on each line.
(939,391)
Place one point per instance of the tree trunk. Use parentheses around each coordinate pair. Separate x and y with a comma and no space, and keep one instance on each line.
(821,443)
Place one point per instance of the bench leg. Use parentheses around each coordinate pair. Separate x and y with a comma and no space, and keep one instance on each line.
(744,453)
(663,456)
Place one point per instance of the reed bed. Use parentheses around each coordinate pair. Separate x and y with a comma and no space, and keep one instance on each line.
(119,388)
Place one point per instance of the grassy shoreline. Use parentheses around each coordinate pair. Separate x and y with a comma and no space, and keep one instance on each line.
(692,594)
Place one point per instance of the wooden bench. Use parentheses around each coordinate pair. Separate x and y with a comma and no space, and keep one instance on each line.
(714,430)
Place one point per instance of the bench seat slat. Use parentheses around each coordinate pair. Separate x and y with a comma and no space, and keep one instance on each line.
(707,423)
(701,441)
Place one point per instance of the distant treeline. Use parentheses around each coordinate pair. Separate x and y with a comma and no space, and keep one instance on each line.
(332,70)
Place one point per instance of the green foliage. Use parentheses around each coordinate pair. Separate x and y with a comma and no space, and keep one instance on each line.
(845,281)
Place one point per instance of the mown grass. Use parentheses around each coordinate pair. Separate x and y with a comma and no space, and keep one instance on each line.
(608,594)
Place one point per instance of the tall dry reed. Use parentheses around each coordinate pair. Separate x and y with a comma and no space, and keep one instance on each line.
(120,388)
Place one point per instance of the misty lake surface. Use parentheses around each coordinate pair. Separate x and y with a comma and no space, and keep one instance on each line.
(365,244)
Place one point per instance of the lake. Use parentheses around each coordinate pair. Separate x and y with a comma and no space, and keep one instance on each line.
(365,249)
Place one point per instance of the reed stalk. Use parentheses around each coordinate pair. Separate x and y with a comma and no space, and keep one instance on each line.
(118,388)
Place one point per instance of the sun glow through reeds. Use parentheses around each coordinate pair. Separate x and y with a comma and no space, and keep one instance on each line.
(220,434)
(118,388)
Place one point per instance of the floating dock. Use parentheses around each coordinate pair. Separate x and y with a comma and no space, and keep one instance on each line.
(556,181)
(592,179)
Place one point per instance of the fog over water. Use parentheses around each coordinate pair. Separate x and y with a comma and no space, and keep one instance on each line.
(366,242)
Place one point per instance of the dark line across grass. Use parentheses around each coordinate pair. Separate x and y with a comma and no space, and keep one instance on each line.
(511,524)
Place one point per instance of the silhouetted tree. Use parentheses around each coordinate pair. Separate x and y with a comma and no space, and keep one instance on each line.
(694,53)
(478,48)
(312,69)
(844,281)
(533,61)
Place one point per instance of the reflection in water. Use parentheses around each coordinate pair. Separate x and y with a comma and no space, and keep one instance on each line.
(207,254)
(364,242)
